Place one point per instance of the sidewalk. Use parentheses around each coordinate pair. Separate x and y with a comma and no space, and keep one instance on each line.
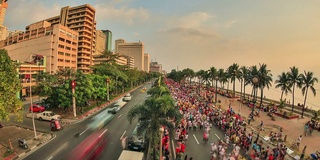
(291,128)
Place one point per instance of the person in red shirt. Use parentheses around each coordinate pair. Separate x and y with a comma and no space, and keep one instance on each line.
(183,147)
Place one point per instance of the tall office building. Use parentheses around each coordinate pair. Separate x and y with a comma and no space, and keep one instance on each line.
(134,50)
(100,42)
(58,44)
(80,19)
(108,33)
(3,29)
(147,62)
(155,67)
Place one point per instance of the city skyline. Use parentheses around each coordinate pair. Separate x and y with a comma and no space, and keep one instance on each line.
(202,34)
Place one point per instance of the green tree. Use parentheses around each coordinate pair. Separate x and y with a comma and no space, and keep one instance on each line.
(265,79)
(283,83)
(213,73)
(9,87)
(307,82)
(156,112)
(245,79)
(233,71)
(294,80)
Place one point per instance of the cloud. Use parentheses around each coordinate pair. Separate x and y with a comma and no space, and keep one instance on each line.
(189,32)
(192,20)
(231,23)
(123,14)
(22,13)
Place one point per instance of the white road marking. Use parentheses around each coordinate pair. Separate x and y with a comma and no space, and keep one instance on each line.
(129,106)
(195,138)
(119,115)
(57,150)
(103,133)
(83,131)
(217,136)
(123,134)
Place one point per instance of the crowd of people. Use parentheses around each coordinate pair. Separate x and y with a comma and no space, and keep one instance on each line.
(199,114)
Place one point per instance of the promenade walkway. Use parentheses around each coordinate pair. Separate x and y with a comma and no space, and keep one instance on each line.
(292,128)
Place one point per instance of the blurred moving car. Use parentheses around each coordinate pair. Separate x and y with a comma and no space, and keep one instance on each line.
(91,147)
(144,89)
(127,97)
(101,119)
(36,108)
(137,141)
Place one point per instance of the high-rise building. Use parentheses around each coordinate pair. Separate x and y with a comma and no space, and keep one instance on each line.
(82,20)
(58,44)
(100,43)
(108,33)
(3,29)
(155,67)
(147,62)
(134,50)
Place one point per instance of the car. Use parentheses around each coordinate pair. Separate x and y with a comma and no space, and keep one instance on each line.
(48,116)
(137,142)
(144,89)
(127,97)
(114,110)
(36,108)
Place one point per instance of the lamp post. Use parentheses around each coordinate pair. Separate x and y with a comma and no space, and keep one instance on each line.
(35,59)
(255,80)
(161,130)
(216,92)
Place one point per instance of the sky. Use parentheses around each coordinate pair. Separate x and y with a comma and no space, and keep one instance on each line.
(200,34)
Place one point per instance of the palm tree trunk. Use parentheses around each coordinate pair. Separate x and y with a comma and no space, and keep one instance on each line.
(261,97)
(234,88)
(281,96)
(241,96)
(244,91)
(304,103)
(293,97)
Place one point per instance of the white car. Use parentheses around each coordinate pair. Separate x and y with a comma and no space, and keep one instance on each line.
(127,97)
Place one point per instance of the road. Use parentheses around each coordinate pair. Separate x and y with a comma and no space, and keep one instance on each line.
(66,139)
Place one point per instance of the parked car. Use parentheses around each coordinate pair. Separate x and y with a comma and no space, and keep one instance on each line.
(136,141)
(48,116)
(36,108)
(127,97)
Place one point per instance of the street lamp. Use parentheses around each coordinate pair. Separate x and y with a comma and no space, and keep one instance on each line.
(216,94)
(36,58)
(255,81)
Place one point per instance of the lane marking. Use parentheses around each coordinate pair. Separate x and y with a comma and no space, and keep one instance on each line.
(123,134)
(119,116)
(195,138)
(103,133)
(129,106)
(217,136)
(83,131)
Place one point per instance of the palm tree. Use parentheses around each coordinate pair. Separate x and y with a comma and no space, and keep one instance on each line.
(253,74)
(245,79)
(294,79)
(153,114)
(307,82)
(213,73)
(283,83)
(265,79)
(233,71)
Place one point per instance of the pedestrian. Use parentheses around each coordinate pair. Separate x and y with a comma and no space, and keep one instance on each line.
(299,141)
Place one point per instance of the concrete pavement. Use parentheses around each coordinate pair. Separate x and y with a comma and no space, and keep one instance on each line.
(292,128)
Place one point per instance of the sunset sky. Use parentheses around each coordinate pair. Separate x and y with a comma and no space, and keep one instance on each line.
(199,34)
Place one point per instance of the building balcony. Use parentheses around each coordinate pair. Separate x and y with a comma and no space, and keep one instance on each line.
(84,62)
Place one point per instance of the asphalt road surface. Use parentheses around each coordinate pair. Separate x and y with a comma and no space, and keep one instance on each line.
(68,138)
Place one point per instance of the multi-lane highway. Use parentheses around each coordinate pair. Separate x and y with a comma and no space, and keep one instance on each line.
(72,135)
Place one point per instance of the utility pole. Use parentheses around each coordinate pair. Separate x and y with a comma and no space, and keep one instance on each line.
(73,84)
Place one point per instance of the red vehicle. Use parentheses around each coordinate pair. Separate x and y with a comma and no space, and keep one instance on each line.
(91,147)
(55,125)
(36,108)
